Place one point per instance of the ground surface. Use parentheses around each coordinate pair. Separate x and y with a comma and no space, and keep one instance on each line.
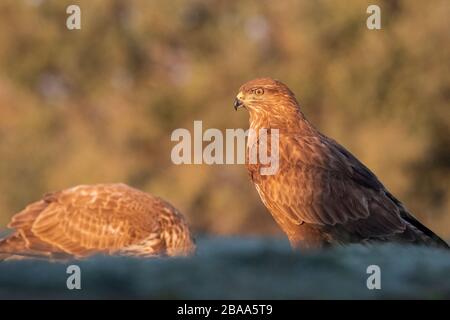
(241,268)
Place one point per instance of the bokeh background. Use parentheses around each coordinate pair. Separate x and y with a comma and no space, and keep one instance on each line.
(99,104)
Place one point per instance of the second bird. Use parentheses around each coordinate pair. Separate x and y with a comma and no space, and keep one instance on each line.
(321,194)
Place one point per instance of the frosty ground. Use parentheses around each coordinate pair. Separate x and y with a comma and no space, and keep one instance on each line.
(234,268)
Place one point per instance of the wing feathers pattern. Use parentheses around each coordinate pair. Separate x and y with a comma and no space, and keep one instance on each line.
(85,220)
(320,183)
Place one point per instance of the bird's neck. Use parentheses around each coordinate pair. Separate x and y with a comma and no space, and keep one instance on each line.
(288,122)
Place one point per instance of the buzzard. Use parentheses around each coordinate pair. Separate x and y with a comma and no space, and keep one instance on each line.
(321,194)
(112,219)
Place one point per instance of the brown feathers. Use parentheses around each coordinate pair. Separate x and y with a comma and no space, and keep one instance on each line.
(321,193)
(92,219)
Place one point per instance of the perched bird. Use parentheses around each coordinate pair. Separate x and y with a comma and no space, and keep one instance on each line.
(111,219)
(320,194)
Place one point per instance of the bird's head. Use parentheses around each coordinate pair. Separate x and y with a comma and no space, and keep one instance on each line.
(266,95)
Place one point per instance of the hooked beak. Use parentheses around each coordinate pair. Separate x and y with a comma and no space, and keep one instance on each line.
(237,104)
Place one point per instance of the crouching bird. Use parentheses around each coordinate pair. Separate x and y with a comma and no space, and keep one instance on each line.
(111,219)
(320,193)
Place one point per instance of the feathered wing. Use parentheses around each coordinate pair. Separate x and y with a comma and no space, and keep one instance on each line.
(320,183)
(87,219)
(23,242)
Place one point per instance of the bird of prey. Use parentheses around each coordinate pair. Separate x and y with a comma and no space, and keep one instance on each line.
(111,219)
(321,194)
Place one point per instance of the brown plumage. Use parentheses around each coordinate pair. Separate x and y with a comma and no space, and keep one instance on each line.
(321,194)
(112,219)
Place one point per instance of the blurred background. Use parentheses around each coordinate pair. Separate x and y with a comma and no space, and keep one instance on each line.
(99,104)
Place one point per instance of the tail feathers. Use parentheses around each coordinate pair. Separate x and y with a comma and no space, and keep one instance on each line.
(4,256)
(430,238)
(12,243)
(15,247)
(18,247)
(13,257)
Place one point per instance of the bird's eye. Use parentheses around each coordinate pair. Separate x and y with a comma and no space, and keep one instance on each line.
(259,91)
